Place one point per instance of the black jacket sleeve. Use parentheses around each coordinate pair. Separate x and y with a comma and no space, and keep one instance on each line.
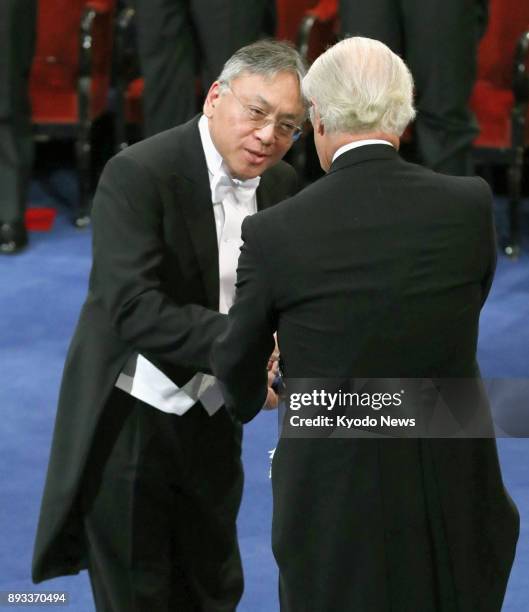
(240,354)
(128,250)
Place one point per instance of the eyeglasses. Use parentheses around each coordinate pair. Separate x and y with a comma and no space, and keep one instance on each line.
(260,118)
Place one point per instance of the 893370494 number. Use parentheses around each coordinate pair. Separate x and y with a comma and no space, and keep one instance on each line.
(33,598)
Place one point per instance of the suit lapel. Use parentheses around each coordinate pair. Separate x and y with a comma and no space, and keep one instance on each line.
(194,198)
(265,193)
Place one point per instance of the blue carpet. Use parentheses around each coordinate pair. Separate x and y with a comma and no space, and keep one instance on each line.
(42,290)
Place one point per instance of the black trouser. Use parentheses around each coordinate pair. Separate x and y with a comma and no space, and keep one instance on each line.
(17,43)
(160,500)
(181,39)
(438,40)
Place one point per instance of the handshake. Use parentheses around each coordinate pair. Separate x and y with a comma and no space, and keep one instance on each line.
(272,396)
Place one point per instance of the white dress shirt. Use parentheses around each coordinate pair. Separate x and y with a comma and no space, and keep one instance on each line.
(232,201)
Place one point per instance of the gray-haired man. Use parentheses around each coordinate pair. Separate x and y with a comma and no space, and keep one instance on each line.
(145,478)
(363,277)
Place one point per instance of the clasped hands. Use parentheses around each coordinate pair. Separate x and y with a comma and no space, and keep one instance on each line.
(272,398)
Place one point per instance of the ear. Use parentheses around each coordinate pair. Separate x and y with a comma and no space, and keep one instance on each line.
(211,99)
(317,123)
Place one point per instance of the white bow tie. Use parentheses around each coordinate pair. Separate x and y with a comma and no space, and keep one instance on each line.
(223,185)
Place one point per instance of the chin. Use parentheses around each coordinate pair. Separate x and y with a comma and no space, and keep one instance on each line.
(245,174)
(244,166)
(244,170)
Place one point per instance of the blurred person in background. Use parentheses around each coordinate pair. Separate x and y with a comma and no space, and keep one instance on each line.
(180,40)
(17,45)
(439,41)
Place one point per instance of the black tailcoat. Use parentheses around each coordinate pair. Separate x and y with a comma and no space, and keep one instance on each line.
(377,270)
(154,288)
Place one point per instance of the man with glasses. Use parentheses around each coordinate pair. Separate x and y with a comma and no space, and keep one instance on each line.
(145,479)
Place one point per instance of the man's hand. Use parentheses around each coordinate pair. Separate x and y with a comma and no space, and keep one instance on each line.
(272,399)
(274,357)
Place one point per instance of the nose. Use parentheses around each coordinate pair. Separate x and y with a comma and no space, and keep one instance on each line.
(266,134)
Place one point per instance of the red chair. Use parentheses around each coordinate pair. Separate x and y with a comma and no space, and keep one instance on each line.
(129,83)
(318,30)
(70,78)
(500,101)
(289,15)
(312,26)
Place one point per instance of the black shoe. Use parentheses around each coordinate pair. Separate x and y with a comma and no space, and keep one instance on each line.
(13,238)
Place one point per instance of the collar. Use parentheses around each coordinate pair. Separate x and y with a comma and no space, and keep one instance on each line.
(220,179)
(213,158)
(358,143)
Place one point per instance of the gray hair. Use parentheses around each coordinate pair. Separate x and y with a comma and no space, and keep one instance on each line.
(359,86)
(265,57)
